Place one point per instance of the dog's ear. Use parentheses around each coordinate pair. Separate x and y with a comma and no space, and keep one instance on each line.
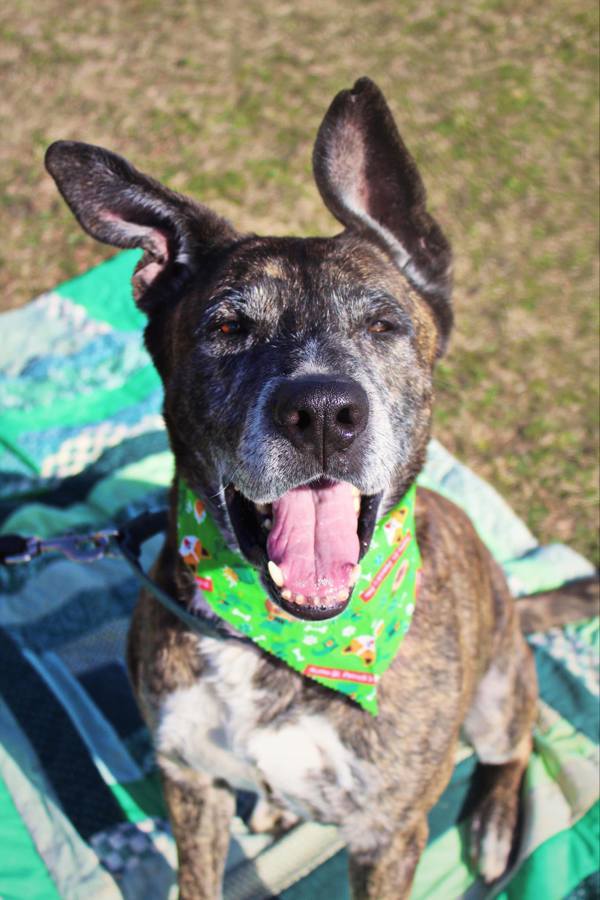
(371,184)
(118,205)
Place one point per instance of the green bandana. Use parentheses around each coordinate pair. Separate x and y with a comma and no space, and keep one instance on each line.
(347,653)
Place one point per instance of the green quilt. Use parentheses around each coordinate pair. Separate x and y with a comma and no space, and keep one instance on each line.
(82,445)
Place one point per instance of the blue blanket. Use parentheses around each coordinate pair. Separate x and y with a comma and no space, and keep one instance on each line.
(82,445)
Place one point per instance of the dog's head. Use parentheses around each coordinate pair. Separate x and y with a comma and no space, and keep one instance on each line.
(297,372)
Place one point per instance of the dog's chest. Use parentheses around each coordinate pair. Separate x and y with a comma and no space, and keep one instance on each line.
(213,727)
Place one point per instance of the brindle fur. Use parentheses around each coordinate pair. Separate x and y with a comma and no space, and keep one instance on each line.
(464,664)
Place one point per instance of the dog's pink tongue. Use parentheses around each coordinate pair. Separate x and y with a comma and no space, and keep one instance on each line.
(314,541)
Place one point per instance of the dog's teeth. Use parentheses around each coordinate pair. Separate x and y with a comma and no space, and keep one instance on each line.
(354,575)
(299,598)
(355,492)
(287,595)
(357,504)
(268,524)
(275,573)
(263,508)
(343,594)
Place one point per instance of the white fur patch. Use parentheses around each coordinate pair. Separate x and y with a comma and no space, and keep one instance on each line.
(205,727)
(292,757)
(211,728)
(495,848)
(191,736)
(486,724)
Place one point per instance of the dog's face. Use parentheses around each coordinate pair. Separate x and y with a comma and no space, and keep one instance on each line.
(297,372)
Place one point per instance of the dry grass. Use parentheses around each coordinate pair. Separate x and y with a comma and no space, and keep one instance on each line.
(496,99)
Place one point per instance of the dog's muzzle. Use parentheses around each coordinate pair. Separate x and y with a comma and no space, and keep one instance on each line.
(313,534)
(320,415)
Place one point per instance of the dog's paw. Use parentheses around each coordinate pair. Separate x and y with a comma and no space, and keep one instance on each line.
(492,832)
(268,817)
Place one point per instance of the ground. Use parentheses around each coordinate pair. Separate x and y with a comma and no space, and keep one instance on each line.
(497,100)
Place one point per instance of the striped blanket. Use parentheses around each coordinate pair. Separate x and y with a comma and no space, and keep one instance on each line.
(82,446)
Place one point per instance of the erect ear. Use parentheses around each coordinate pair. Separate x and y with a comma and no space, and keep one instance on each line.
(118,205)
(371,184)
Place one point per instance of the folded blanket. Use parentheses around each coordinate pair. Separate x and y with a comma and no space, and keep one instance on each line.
(82,445)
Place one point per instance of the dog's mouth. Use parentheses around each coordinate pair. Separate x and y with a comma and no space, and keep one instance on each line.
(308,543)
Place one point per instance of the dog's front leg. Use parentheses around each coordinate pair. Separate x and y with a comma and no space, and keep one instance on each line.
(200,813)
(387,874)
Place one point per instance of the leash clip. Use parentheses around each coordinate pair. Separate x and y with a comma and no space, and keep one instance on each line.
(30,548)
(76,547)
(81,547)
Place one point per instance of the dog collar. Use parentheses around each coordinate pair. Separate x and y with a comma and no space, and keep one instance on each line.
(348,653)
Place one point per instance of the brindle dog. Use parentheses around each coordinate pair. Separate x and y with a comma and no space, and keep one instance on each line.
(304,366)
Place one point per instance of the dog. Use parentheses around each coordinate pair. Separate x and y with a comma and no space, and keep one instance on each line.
(305,365)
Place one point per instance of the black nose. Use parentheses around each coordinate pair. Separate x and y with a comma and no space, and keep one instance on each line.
(322,414)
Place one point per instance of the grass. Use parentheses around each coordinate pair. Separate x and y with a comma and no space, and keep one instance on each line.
(496,99)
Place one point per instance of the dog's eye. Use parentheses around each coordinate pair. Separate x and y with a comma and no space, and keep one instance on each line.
(231,327)
(380,326)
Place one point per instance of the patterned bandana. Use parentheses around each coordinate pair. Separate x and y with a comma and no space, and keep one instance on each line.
(347,653)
